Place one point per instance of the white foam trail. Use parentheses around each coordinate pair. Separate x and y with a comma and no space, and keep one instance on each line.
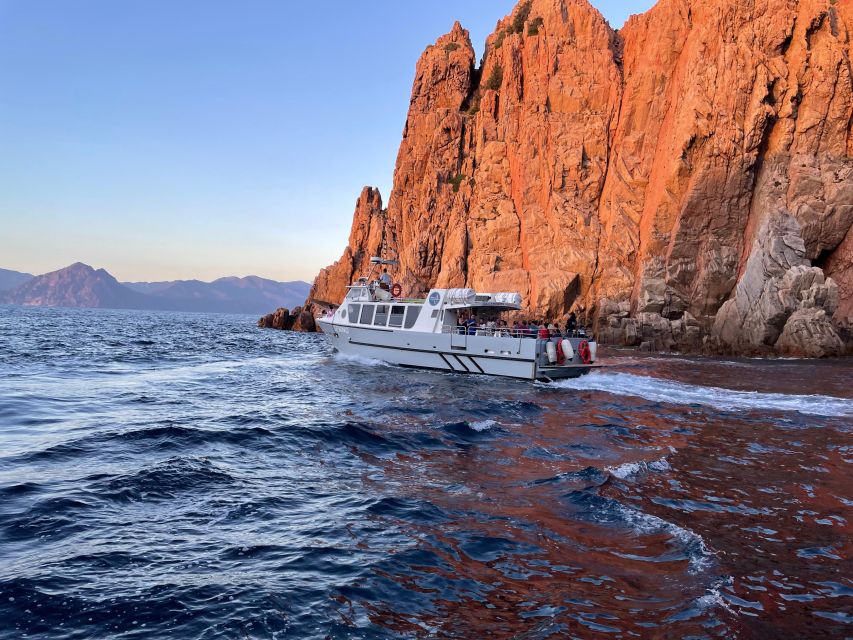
(362,360)
(483,425)
(659,390)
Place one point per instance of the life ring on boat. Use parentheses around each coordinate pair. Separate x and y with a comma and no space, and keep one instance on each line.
(584,352)
(397,290)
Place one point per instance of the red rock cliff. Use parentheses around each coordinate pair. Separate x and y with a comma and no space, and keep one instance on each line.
(686,181)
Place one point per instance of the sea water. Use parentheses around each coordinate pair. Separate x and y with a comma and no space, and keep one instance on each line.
(192,476)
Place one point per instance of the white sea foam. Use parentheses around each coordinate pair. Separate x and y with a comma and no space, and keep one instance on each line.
(714,597)
(628,469)
(362,360)
(700,555)
(483,425)
(625,470)
(660,390)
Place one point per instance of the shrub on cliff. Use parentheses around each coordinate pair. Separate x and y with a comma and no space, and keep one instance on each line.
(533,27)
(496,78)
(520,18)
(474,107)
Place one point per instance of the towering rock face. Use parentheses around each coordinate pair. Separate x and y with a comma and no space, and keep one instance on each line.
(630,175)
(370,230)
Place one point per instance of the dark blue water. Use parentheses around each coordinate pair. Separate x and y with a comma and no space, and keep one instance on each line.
(192,476)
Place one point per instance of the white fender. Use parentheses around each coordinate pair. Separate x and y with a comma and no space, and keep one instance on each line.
(568,352)
(593,347)
(551,348)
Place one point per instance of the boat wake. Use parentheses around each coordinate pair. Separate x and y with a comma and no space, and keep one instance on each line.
(364,361)
(660,390)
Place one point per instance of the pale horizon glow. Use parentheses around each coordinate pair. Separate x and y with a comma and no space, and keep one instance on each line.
(207,138)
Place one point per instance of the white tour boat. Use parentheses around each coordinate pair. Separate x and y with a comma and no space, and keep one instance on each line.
(375,322)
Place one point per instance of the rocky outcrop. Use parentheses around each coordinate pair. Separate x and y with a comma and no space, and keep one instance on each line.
(369,234)
(838,266)
(781,303)
(300,319)
(627,176)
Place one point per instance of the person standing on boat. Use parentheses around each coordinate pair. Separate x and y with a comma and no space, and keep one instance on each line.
(471,324)
(571,324)
(461,325)
(385,280)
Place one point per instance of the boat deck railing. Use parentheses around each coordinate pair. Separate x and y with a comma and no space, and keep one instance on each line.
(488,331)
(504,332)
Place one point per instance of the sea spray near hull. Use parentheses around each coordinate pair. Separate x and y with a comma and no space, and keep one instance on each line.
(223,481)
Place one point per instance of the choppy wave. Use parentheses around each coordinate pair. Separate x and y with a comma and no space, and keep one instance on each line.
(673,392)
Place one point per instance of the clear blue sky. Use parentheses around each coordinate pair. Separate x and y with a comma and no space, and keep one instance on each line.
(165,139)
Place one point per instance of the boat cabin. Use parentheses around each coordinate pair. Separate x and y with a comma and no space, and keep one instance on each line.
(368,306)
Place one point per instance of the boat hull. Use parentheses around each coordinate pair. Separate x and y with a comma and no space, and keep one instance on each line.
(482,355)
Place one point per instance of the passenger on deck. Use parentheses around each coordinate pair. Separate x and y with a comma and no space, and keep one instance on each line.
(461,327)
(571,324)
(471,323)
(385,280)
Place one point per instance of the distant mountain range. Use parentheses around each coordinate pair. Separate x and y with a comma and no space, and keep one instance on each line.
(82,286)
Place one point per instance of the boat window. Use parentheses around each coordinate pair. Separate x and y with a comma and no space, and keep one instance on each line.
(397,316)
(353,312)
(381,315)
(412,316)
(366,314)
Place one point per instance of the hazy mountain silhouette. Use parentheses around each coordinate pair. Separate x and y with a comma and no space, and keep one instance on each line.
(228,295)
(10,279)
(79,285)
(76,286)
